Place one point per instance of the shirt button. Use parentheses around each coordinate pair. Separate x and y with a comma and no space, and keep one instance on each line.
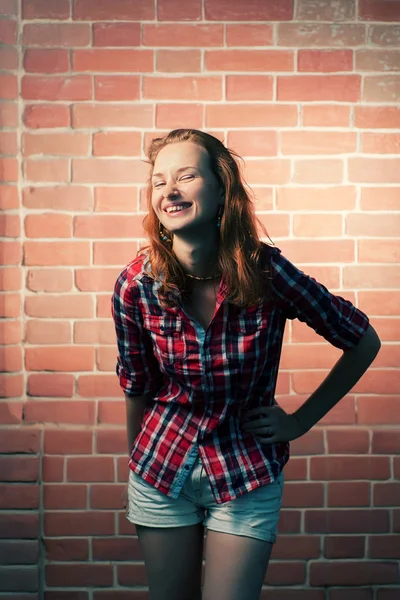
(187,467)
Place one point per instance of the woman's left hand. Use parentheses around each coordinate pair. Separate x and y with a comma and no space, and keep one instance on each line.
(272,424)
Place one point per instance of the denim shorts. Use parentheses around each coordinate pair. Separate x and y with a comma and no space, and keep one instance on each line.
(255,514)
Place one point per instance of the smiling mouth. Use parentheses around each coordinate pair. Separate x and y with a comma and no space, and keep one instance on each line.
(178,210)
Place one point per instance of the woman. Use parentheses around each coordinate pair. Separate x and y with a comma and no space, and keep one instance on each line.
(199,317)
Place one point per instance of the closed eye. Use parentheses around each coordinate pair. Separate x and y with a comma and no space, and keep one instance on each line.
(160,183)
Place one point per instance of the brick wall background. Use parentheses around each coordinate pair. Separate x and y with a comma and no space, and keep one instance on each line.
(308,92)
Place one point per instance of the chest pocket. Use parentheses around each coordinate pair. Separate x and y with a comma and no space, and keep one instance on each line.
(243,338)
(167,336)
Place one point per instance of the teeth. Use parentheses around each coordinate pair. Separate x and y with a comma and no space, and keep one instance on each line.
(176,208)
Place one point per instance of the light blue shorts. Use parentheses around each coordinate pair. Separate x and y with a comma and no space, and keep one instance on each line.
(255,514)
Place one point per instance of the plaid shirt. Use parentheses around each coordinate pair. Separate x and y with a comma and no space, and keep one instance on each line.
(202,382)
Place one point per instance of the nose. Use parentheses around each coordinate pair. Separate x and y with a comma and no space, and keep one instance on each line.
(170,190)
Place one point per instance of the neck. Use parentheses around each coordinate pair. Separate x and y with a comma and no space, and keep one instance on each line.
(200,260)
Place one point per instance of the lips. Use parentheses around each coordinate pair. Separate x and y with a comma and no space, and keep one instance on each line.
(184,204)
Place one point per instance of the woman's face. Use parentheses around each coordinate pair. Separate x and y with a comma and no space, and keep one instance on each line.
(182,174)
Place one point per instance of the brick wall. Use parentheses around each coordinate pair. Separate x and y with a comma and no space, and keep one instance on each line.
(308,93)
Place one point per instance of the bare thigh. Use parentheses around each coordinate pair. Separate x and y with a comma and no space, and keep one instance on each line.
(235,566)
(173,560)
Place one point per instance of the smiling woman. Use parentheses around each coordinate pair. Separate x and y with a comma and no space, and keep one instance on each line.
(200,315)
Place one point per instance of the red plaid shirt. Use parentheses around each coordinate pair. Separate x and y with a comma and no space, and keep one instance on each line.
(202,382)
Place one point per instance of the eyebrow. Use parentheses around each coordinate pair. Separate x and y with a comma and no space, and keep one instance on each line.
(178,171)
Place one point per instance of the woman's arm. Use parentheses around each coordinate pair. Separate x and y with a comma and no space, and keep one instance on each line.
(344,375)
(272,424)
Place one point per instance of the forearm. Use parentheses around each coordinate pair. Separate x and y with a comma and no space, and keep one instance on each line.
(135,407)
(344,375)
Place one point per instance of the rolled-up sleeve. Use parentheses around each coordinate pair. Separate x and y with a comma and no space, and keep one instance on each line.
(302,297)
(136,367)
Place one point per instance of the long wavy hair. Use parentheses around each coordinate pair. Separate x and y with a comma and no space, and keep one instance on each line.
(239,248)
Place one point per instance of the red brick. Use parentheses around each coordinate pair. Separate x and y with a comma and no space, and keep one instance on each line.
(75,412)
(14,552)
(56,34)
(113,253)
(8,86)
(115,549)
(299,495)
(349,467)
(120,10)
(340,546)
(387,593)
(254,115)
(10,252)
(91,386)
(253,143)
(9,8)
(318,171)
(325,115)
(249,87)
(317,142)
(9,114)
(385,88)
(8,169)
(183,34)
(67,441)
(109,171)
(8,143)
(384,35)
(97,280)
(46,61)
(51,280)
(249,60)
(51,385)
(19,468)
(289,573)
(386,494)
(107,496)
(79,523)
(299,546)
(176,116)
(352,573)
(316,199)
(344,441)
(10,226)
(341,88)
(66,550)
(118,87)
(310,10)
(373,225)
(173,10)
(71,143)
(374,170)
(324,61)
(380,117)
(249,34)
(387,546)
(41,9)
(111,60)
(320,34)
(20,496)
(11,579)
(385,441)
(182,88)
(68,305)
(378,410)
(118,143)
(379,302)
(377,60)
(90,469)
(65,496)
(78,87)
(14,525)
(71,198)
(346,493)
(112,115)
(52,468)
(116,34)
(379,10)
(387,329)
(79,575)
(254,10)
(380,143)
(350,593)
(114,199)
(53,170)
(25,440)
(178,61)
(10,332)
(8,31)
(37,116)
(8,59)
(59,359)
(347,521)
(8,197)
